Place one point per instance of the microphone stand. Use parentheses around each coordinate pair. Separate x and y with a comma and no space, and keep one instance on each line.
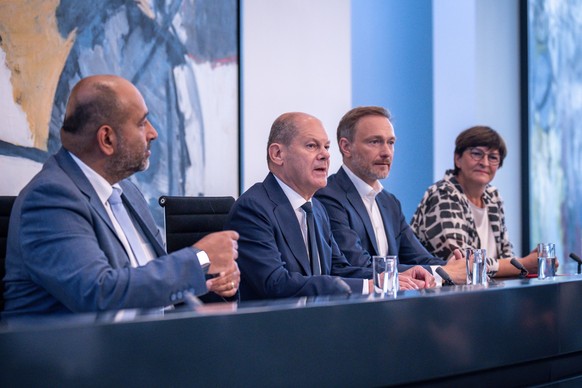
(578,260)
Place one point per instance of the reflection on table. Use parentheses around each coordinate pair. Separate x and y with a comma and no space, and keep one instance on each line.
(513,332)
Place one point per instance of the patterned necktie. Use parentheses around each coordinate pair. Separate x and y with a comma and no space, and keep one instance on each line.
(312,242)
(127,226)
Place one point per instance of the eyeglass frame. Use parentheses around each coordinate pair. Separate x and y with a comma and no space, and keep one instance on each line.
(483,154)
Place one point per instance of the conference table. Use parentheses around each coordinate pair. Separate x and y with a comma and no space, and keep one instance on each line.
(516,332)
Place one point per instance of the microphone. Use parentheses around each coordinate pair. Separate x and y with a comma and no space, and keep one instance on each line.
(523,272)
(443,274)
(577,259)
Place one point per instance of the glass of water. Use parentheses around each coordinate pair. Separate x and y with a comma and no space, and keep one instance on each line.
(385,270)
(546,260)
(476,266)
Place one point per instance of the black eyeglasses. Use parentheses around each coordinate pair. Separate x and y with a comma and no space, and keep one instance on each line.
(477,154)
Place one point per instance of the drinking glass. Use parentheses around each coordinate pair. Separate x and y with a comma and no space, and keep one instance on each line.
(476,266)
(546,260)
(385,270)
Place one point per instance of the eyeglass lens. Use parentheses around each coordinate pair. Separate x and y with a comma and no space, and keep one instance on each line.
(478,154)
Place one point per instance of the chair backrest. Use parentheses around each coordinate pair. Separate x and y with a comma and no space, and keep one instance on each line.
(188,219)
(6,204)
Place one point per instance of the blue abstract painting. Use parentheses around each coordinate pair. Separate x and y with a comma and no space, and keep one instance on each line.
(181,54)
(555,114)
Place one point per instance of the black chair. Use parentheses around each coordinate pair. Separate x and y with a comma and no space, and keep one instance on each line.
(188,219)
(6,203)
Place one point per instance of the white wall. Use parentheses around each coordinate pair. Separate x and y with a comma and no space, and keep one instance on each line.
(476,76)
(295,56)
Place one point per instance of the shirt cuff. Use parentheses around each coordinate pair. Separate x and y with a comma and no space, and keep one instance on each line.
(204,260)
(438,279)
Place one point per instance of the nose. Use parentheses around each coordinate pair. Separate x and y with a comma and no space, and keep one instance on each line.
(325,153)
(386,149)
(152,133)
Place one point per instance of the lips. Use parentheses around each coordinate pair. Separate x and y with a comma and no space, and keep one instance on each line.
(321,170)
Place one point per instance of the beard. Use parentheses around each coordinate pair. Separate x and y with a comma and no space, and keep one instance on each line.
(367,172)
(127,161)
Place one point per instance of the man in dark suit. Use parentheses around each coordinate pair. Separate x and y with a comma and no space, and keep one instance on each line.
(71,250)
(275,253)
(367,220)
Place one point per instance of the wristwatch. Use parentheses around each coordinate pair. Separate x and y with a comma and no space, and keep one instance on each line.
(204,261)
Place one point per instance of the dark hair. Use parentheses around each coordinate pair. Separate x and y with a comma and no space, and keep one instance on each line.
(283,131)
(480,136)
(347,125)
(101,108)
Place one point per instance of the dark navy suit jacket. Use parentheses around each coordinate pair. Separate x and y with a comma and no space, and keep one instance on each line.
(273,259)
(64,256)
(353,231)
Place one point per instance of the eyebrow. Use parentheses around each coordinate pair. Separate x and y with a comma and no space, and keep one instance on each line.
(380,137)
(490,152)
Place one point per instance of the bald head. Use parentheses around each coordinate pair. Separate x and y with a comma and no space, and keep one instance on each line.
(298,152)
(106,126)
(285,128)
(94,101)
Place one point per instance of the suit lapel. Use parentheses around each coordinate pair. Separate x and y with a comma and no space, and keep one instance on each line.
(356,201)
(138,210)
(72,169)
(323,249)
(387,217)
(78,177)
(287,221)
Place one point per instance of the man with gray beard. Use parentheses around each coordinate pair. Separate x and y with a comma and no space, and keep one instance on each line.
(81,236)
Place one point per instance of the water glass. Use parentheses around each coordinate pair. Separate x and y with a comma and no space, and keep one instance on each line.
(476,266)
(385,270)
(546,260)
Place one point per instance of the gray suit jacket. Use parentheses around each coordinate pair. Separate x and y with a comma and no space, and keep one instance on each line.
(63,254)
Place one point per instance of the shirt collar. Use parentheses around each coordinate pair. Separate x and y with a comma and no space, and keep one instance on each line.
(100,185)
(364,189)
(295,199)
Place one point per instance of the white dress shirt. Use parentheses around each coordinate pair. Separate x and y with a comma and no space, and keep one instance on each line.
(296,201)
(104,190)
(368,195)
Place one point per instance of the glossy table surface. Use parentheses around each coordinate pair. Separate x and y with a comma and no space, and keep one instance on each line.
(468,334)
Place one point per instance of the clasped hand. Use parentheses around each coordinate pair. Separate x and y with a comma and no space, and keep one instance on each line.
(222,250)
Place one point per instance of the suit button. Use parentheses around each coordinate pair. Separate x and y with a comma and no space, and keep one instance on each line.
(173,297)
(180,295)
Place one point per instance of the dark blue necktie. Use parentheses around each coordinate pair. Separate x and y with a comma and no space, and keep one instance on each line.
(312,242)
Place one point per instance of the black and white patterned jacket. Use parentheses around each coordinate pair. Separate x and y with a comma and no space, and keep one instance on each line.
(443,221)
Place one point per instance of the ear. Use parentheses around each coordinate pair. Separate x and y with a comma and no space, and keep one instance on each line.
(276,154)
(457,158)
(106,139)
(345,147)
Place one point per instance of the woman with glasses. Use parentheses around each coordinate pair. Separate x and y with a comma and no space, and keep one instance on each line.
(464,211)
